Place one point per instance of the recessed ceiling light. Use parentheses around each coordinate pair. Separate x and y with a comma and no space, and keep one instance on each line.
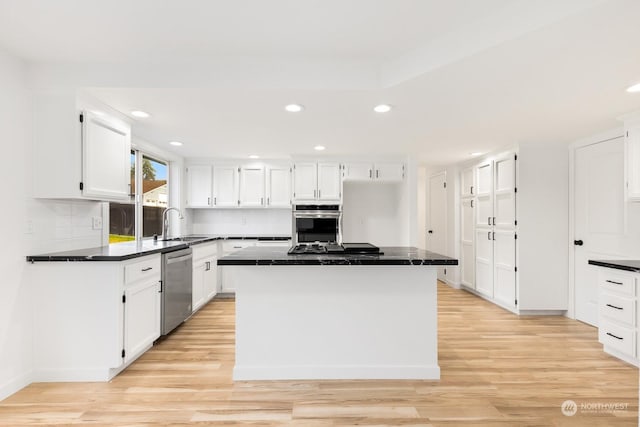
(254,156)
(382,108)
(294,108)
(319,147)
(176,143)
(140,114)
(476,153)
(634,89)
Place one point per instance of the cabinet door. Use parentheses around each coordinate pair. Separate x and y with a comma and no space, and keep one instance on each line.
(467,184)
(484,262)
(210,278)
(329,185)
(504,252)
(357,172)
(389,172)
(279,187)
(225,186)
(484,178)
(198,292)
(467,263)
(504,193)
(252,186)
(484,199)
(199,186)
(305,181)
(632,154)
(106,149)
(141,317)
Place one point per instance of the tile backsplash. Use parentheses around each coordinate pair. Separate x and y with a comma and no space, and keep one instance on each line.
(258,222)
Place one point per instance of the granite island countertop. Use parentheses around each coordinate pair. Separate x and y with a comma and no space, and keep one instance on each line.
(127,250)
(627,265)
(396,255)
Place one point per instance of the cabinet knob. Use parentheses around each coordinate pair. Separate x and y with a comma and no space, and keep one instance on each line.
(578,242)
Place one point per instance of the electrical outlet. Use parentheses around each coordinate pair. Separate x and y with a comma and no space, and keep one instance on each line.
(96,223)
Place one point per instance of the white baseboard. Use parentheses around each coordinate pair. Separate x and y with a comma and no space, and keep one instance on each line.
(454,285)
(72,375)
(543,312)
(336,372)
(15,384)
(625,358)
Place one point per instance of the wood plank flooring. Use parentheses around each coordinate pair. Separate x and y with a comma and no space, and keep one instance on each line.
(497,370)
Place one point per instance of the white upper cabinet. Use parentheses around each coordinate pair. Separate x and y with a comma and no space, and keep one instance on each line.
(106,149)
(199,186)
(225,186)
(278,186)
(381,172)
(79,154)
(305,181)
(357,172)
(467,184)
(632,154)
(504,192)
(388,172)
(252,186)
(329,184)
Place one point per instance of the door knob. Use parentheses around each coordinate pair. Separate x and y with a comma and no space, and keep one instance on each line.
(430,231)
(578,242)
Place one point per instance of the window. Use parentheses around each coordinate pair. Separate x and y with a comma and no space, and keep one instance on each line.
(142,215)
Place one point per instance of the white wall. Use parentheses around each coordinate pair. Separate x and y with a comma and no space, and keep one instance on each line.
(28,227)
(247,222)
(375,213)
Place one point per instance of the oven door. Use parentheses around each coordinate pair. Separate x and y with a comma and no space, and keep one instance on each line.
(316,227)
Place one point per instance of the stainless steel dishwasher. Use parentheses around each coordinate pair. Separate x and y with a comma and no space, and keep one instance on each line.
(176,288)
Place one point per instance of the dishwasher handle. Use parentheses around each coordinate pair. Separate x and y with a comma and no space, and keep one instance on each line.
(178,259)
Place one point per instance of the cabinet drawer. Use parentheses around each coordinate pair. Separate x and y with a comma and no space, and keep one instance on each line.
(229,246)
(204,250)
(618,308)
(145,268)
(618,282)
(617,337)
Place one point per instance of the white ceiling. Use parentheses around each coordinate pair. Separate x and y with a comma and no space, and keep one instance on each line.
(463,75)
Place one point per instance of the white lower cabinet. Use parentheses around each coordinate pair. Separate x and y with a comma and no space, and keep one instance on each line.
(617,315)
(227,281)
(93,318)
(205,277)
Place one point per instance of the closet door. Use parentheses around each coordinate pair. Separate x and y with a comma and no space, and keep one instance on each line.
(504,212)
(467,263)
(484,262)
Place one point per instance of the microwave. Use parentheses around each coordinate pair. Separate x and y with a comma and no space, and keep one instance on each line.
(317,224)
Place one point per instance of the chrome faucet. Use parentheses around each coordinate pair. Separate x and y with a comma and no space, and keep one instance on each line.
(165,221)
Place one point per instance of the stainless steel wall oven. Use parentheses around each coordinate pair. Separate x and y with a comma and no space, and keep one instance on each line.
(317,224)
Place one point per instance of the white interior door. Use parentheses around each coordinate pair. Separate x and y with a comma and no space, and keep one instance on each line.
(467,255)
(437,220)
(599,222)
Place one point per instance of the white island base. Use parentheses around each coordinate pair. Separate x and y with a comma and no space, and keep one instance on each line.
(335,322)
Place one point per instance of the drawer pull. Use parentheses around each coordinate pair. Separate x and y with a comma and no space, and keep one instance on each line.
(147,269)
(613,306)
(614,336)
(237,247)
(615,283)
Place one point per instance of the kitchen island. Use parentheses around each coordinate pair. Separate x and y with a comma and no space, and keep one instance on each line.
(336,316)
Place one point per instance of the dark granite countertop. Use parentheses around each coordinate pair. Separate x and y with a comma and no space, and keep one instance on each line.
(401,255)
(627,265)
(127,250)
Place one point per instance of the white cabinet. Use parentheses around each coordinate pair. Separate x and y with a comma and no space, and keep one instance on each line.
(329,185)
(226,276)
(94,148)
(225,186)
(317,182)
(467,182)
(93,318)
(632,157)
(379,172)
(305,181)
(278,186)
(199,186)
(205,275)
(488,195)
(252,186)
(617,315)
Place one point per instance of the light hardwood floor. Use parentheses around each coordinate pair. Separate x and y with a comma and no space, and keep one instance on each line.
(497,370)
